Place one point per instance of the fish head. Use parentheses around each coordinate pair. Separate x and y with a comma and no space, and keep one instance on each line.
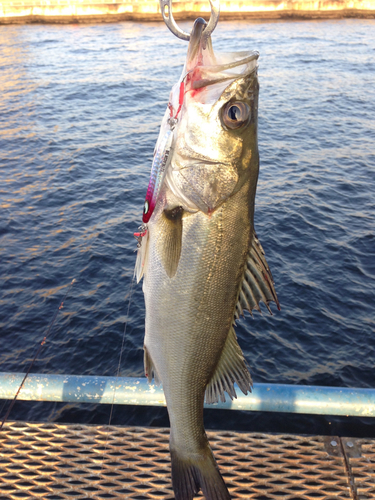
(213,109)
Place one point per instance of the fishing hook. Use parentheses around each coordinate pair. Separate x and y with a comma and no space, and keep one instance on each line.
(166,11)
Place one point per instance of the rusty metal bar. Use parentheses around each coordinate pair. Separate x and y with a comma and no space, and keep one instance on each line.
(135,391)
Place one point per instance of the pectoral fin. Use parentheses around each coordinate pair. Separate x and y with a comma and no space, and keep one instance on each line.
(230,369)
(170,239)
(142,253)
(257,284)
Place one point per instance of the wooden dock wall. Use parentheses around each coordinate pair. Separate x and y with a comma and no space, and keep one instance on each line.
(78,11)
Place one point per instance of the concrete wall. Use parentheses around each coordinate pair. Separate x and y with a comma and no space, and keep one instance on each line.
(66,11)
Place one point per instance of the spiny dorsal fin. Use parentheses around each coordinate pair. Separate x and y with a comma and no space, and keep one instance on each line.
(257,284)
(149,367)
(230,369)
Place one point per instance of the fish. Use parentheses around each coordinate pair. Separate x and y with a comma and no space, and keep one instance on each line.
(198,254)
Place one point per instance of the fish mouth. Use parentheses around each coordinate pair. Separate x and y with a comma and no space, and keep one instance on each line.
(194,53)
(203,68)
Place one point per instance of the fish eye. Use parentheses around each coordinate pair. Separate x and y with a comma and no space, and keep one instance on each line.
(235,114)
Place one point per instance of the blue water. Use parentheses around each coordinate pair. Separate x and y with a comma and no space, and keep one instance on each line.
(80,107)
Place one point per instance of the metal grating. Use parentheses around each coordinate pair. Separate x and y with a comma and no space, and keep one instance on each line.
(65,461)
(361,462)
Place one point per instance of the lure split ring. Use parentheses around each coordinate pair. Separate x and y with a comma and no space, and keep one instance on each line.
(166,11)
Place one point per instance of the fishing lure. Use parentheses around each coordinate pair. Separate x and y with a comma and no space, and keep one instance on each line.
(159,167)
(162,159)
(160,164)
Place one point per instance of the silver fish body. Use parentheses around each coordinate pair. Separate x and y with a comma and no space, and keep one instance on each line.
(201,261)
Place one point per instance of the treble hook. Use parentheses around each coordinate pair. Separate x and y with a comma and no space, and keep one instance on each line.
(166,11)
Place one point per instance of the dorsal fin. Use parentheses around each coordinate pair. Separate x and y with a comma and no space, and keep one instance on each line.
(257,284)
(231,369)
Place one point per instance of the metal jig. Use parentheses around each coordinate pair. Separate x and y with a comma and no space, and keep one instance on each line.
(166,11)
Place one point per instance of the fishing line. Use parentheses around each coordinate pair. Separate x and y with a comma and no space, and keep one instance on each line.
(2,408)
(36,355)
(118,369)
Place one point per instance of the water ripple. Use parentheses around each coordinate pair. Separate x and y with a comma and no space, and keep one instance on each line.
(80,108)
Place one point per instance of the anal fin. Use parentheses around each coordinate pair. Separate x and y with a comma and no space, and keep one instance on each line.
(230,369)
(150,370)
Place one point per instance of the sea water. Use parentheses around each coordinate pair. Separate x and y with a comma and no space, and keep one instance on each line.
(80,109)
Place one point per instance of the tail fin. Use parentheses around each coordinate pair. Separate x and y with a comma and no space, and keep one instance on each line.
(189,475)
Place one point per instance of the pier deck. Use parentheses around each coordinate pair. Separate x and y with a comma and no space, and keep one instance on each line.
(75,461)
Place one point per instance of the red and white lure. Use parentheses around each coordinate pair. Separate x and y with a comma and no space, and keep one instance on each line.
(161,161)
(159,167)
(162,158)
